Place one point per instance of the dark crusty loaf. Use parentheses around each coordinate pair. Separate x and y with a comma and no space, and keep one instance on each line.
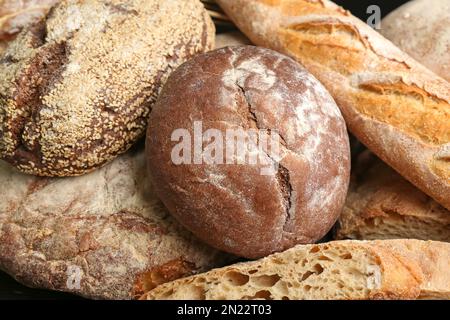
(106,227)
(233,204)
(421,28)
(395,106)
(15,15)
(77,87)
(389,269)
(383,205)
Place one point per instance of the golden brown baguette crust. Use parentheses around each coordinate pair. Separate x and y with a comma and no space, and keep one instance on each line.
(393,104)
(383,205)
(228,39)
(389,269)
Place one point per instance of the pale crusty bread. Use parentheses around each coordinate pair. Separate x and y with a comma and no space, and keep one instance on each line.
(421,28)
(383,205)
(389,269)
(107,227)
(394,105)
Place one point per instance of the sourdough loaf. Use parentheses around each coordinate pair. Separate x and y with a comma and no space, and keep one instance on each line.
(293,192)
(103,235)
(383,205)
(389,269)
(77,87)
(394,105)
(421,28)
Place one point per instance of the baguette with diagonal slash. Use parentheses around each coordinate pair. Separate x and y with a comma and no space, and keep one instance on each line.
(393,104)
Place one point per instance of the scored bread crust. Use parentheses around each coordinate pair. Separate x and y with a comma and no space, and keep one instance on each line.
(388,269)
(232,204)
(106,229)
(394,105)
(421,28)
(381,204)
(77,87)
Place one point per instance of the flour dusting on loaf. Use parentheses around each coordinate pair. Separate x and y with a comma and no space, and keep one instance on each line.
(398,108)
(233,206)
(78,86)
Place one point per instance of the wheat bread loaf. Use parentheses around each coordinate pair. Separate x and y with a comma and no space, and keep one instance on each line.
(394,105)
(381,204)
(77,87)
(421,28)
(290,196)
(103,235)
(388,269)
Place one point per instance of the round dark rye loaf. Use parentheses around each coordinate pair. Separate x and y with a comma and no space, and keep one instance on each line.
(106,227)
(77,87)
(239,207)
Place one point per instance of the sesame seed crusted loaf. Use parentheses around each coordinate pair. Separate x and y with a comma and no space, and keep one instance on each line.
(103,235)
(421,28)
(389,269)
(77,87)
(381,204)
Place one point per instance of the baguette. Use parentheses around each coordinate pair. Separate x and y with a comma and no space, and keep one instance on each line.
(383,205)
(394,105)
(389,269)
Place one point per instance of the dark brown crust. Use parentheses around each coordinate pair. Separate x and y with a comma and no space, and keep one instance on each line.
(381,204)
(234,207)
(406,123)
(73,137)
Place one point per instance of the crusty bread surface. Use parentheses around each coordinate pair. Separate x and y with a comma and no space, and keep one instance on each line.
(389,269)
(77,87)
(393,104)
(103,235)
(421,28)
(381,204)
(295,190)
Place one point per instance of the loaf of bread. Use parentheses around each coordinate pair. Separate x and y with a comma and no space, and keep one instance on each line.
(395,106)
(103,235)
(383,205)
(227,39)
(421,28)
(77,87)
(232,100)
(14,15)
(389,269)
